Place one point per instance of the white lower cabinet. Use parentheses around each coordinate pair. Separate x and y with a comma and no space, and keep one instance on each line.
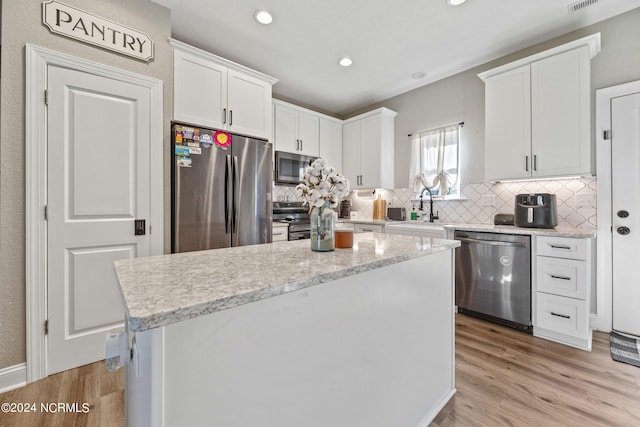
(279,232)
(563,275)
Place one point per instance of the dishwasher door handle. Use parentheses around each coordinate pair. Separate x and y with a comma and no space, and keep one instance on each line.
(492,242)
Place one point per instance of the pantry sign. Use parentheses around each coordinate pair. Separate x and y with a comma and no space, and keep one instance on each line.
(77,24)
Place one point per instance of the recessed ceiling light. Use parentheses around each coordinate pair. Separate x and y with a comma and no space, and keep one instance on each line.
(263,17)
(455,2)
(345,62)
(418,75)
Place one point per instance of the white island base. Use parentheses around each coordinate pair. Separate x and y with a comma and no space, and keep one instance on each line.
(371,349)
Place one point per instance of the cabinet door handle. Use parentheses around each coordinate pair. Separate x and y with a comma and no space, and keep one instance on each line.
(526,163)
(224,116)
(563,247)
(553,276)
(564,316)
(535,162)
(300,145)
(230,117)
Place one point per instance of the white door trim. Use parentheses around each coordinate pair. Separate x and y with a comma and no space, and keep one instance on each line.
(604,318)
(37,60)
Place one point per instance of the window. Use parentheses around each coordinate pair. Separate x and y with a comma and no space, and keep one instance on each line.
(435,161)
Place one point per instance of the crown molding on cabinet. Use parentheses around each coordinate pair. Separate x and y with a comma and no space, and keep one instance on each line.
(222,61)
(593,41)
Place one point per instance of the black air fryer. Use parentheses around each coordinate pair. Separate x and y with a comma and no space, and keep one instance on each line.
(536,210)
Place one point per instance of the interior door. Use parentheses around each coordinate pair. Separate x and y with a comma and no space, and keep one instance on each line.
(98,184)
(625,162)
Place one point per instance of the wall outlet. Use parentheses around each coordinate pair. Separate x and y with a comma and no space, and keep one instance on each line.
(489,200)
(585,200)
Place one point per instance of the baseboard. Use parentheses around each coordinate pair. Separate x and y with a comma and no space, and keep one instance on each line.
(13,377)
(426,421)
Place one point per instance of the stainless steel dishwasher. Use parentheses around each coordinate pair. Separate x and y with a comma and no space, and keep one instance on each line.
(493,277)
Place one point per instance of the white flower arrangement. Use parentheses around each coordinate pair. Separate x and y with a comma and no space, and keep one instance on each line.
(321,184)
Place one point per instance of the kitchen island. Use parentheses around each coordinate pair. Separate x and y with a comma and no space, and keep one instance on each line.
(278,335)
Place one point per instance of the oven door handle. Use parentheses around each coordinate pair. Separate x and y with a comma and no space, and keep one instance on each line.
(492,242)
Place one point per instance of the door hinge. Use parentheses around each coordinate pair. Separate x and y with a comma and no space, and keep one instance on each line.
(46,212)
(606,134)
(46,327)
(46,97)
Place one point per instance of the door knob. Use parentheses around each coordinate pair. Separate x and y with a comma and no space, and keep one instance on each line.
(623,230)
(623,214)
(140,228)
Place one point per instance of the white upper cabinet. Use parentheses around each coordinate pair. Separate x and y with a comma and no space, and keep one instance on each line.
(538,114)
(367,149)
(561,114)
(351,153)
(249,105)
(508,125)
(296,130)
(331,142)
(214,92)
(199,90)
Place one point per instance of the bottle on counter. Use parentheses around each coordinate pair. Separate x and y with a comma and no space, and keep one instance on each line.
(414,214)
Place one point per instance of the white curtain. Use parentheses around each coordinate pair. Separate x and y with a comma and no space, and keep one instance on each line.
(434,159)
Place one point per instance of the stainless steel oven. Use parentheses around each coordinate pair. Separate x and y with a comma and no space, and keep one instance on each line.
(493,277)
(290,167)
(296,214)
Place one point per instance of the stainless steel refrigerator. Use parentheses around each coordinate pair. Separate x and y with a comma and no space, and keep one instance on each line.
(221,189)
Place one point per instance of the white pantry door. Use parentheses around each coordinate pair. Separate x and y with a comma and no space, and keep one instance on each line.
(625,166)
(98,176)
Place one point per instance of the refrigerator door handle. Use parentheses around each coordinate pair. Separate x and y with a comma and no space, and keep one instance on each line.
(235,196)
(228,194)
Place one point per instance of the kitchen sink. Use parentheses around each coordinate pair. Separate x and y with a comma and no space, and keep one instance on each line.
(417,228)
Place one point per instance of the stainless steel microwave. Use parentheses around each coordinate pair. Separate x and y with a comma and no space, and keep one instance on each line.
(290,167)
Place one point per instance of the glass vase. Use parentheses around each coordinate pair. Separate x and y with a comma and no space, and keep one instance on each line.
(322,228)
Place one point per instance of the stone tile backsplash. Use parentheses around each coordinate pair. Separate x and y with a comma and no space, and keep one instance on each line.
(480,202)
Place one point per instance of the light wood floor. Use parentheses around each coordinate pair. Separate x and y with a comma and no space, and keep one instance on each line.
(503,378)
(92,384)
(508,378)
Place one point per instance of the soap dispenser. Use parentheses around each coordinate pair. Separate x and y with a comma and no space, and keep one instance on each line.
(414,214)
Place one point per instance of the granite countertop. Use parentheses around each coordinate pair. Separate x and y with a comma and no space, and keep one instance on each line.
(166,289)
(506,229)
(510,229)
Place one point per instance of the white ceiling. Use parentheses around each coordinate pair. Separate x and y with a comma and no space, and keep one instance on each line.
(388,40)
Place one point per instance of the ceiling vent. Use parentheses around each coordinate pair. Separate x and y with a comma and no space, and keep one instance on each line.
(579,5)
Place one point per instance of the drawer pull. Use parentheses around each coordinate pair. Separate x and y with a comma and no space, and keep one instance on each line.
(563,247)
(278,234)
(367,230)
(560,277)
(564,316)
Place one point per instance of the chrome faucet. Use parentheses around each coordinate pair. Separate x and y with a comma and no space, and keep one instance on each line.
(421,208)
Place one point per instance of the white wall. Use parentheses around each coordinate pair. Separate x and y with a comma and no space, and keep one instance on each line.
(21,24)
